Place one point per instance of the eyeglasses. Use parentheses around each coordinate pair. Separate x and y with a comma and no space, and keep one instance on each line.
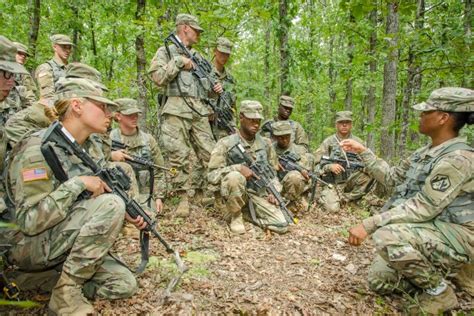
(101,106)
(6,74)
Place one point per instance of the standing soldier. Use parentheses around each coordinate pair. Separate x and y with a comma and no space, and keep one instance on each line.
(348,185)
(48,74)
(233,178)
(285,108)
(185,117)
(25,80)
(143,145)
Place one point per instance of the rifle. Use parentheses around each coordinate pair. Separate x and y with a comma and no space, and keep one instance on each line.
(115,178)
(289,161)
(116,145)
(352,163)
(203,70)
(262,179)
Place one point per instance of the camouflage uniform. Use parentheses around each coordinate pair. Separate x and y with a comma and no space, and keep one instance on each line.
(298,134)
(143,145)
(426,230)
(56,227)
(184,126)
(225,177)
(49,73)
(26,81)
(348,187)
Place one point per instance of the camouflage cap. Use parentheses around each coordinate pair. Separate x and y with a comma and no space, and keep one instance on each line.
(67,88)
(20,48)
(280,128)
(8,57)
(448,99)
(80,70)
(188,19)
(224,45)
(287,101)
(127,106)
(61,39)
(251,109)
(343,116)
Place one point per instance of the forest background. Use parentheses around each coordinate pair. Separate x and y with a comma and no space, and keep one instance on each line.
(375,58)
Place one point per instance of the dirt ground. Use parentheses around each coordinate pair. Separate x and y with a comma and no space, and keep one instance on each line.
(311,270)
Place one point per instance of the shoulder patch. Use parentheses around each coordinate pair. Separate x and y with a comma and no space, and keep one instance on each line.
(440,183)
(34,174)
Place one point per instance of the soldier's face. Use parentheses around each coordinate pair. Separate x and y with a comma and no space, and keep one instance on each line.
(96,116)
(221,58)
(7,82)
(62,51)
(249,126)
(192,35)
(284,112)
(344,127)
(128,121)
(431,121)
(21,58)
(283,141)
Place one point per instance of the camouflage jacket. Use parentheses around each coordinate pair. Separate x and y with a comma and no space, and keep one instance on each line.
(145,146)
(434,184)
(26,122)
(298,135)
(41,201)
(47,75)
(29,86)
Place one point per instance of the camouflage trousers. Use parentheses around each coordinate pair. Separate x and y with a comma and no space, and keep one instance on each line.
(294,184)
(353,189)
(81,243)
(180,137)
(236,198)
(412,256)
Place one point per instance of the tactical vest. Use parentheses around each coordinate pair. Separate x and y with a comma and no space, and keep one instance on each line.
(260,158)
(185,84)
(459,211)
(58,71)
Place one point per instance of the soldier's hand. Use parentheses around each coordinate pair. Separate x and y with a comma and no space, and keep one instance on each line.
(218,88)
(305,175)
(357,235)
(138,222)
(336,168)
(211,117)
(246,172)
(119,155)
(188,64)
(159,205)
(95,185)
(352,146)
(271,199)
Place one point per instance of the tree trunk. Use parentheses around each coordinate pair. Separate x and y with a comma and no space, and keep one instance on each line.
(35,7)
(283,30)
(266,70)
(350,57)
(390,83)
(93,38)
(141,63)
(468,80)
(76,52)
(371,100)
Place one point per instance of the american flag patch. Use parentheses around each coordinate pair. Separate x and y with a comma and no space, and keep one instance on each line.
(34,174)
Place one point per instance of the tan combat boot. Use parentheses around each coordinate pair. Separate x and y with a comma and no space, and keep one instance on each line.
(465,278)
(435,304)
(183,207)
(237,224)
(67,298)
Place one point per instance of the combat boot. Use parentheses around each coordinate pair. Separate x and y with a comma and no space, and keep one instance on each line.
(465,278)
(67,298)
(183,207)
(433,303)
(237,224)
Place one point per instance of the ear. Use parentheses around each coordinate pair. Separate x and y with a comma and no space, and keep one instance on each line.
(444,118)
(76,106)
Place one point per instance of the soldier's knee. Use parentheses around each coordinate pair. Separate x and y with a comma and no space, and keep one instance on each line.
(235,180)
(123,285)
(112,206)
(294,177)
(381,278)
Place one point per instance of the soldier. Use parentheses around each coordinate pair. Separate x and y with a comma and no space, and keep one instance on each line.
(285,108)
(294,182)
(56,225)
(185,118)
(349,186)
(425,232)
(139,144)
(25,80)
(232,179)
(48,74)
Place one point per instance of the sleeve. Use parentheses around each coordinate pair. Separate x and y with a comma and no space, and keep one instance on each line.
(323,150)
(217,167)
(301,138)
(159,174)
(40,205)
(449,177)
(163,69)
(44,78)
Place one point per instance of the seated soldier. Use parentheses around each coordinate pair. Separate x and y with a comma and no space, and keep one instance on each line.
(349,185)
(143,145)
(232,177)
(58,225)
(294,182)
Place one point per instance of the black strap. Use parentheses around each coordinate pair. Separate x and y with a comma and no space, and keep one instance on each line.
(144,250)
